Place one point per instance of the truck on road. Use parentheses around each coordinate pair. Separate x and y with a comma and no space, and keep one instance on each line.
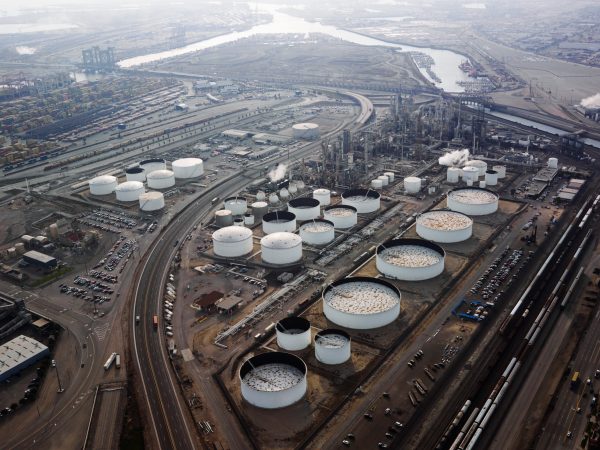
(118,361)
(575,380)
(155,321)
(110,360)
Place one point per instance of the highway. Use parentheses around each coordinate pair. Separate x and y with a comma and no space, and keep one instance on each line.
(169,416)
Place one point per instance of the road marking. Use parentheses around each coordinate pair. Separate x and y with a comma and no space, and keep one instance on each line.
(102,330)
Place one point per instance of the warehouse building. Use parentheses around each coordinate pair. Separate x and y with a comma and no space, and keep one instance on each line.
(18,354)
(40,259)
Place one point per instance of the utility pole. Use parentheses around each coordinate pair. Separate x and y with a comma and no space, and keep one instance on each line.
(60,388)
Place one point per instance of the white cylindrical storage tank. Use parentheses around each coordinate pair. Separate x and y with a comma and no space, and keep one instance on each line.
(412,185)
(473,201)
(232,242)
(481,166)
(188,168)
(152,201)
(300,185)
(384,180)
(376,184)
(238,221)
(103,185)
(553,163)
(470,173)
(292,188)
(273,199)
(453,174)
(284,195)
(391,176)
(305,208)
(259,209)
(469,182)
(281,248)
(482,184)
(323,195)
(160,179)
(364,200)
(317,232)
(152,164)
(332,346)
(223,218)
(273,380)
(237,205)
(444,226)
(410,259)
(361,303)
(491,177)
(129,191)
(278,221)
(342,216)
(293,333)
(305,131)
(501,171)
(248,219)
(20,248)
(135,173)
(261,196)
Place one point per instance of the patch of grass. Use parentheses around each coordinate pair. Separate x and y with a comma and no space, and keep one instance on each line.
(55,274)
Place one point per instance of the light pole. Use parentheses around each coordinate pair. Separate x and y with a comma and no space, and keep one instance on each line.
(60,389)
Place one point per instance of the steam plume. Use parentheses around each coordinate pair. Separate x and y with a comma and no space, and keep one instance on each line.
(277,173)
(454,158)
(591,102)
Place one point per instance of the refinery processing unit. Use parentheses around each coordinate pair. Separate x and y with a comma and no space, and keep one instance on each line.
(320,239)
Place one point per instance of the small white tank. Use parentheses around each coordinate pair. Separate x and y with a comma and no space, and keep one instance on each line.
(223,218)
(284,194)
(248,219)
(391,176)
(323,195)
(260,196)
(377,184)
(491,178)
(482,184)
(501,171)
(453,174)
(384,180)
(273,199)
(412,185)
(292,188)
(470,173)
(300,184)
(553,163)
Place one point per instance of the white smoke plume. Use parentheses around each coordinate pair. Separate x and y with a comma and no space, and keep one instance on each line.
(591,102)
(24,50)
(454,158)
(277,173)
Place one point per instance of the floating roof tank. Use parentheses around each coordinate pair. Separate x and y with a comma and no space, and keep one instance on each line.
(237,205)
(259,209)
(342,216)
(152,164)
(273,380)
(293,333)
(444,226)
(223,218)
(135,173)
(361,303)
(473,201)
(410,259)
(332,346)
(277,221)
(317,232)
(364,200)
(305,208)
(491,177)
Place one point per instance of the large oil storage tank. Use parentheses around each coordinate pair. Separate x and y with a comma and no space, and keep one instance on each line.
(361,303)
(317,232)
(364,200)
(281,248)
(323,195)
(391,176)
(279,221)
(332,346)
(273,380)
(306,131)
(135,173)
(470,173)
(412,185)
(152,164)
(553,163)
(231,242)
(103,185)
(129,191)
(188,168)
(473,201)
(223,218)
(259,209)
(305,208)
(453,174)
(444,226)
(410,259)
(293,333)
(491,177)
(376,184)
(152,201)
(160,179)
(237,205)
(481,166)
(501,171)
(342,216)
